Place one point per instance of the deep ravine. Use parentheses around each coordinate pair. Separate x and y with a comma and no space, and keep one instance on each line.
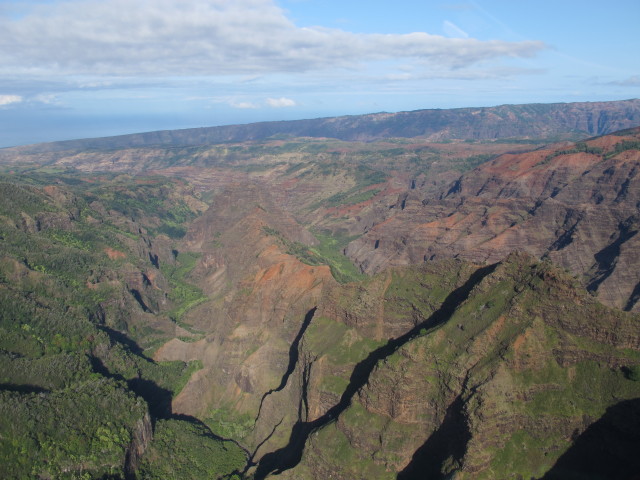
(289,456)
(294,355)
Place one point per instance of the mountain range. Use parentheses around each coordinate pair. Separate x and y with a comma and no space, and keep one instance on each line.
(530,121)
(429,294)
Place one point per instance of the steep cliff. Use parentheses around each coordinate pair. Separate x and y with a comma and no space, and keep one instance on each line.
(443,367)
(258,296)
(496,381)
(85,271)
(575,203)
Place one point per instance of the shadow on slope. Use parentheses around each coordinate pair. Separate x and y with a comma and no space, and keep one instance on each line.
(448,441)
(608,450)
(22,388)
(158,398)
(290,455)
(294,354)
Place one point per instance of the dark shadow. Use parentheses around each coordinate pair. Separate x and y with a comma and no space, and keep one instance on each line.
(158,398)
(153,258)
(633,298)
(448,441)
(607,258)
(294,354)
(608,450)
(159,402)
(208,433)
(566,239)
(118,337)
(136,294)
(22,388)
(250,462)
(290,455)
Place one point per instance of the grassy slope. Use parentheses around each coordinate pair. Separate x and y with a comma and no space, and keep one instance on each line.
(501,355)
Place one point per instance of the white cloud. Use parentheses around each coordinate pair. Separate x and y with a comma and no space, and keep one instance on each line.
(244,105)
(9,99)
(48,99)
(280,102)
(209,37)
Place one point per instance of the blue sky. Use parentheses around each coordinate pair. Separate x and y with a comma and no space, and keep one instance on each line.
(87,68)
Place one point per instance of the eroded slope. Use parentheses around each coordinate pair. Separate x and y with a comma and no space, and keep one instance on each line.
(518,359)
(576,204)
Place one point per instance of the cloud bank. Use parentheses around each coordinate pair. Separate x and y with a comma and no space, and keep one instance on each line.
(281,102)
(9,99)
(210,37)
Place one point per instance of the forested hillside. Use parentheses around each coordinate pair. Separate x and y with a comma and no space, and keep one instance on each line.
(80,285)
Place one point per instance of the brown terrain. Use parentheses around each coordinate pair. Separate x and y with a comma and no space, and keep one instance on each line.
(579,209)
(395,404)
(496,326)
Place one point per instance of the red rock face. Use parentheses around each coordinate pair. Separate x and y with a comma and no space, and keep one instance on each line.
(579,208)
(258,295)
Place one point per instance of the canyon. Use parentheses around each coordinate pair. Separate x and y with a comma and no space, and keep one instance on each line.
(387,296)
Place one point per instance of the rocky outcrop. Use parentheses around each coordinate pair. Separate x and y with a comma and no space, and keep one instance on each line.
(141,438)
(260,299)
(511,368)
(576,204)
(430,368)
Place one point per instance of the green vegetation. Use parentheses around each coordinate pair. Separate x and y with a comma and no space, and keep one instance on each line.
(337,453)
(81,431)
(623,146)
(579,147)
(334,384)
(331,249)
(419,291)
(184,294)
(74,388)
(527,455)
(364,178)
(93,276)
(228,423)
(342,345)
(328,252)
(469,163)
(632,373)
(182,450)
(500,351)
(352,196)
(586,391)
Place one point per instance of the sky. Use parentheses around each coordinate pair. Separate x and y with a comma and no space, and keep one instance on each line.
(92,68)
